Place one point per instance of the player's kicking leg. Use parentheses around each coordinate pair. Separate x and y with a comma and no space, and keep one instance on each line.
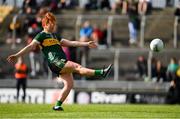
(66,76)
(71,67)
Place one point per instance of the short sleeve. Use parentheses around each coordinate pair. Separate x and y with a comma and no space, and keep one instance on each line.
(58,36)
(38,38)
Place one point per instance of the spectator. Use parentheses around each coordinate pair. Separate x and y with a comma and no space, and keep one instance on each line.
(62,4)
(86,32)
(82,3)
(29,3)
(144,7)
(104,4)
(120,6)
(14,26)
(85,36)
(177,14)
(134,22)
(153,67)
(97,34)
(173,95)
(103,41)
(65,4)
(171,69)
(35,26)
(21,77)
(54,5)
(177,10)
(177,83)
(160,72)
(142,66)
(29,19)
(91,5)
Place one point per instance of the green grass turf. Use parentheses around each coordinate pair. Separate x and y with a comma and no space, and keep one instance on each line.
(92,111)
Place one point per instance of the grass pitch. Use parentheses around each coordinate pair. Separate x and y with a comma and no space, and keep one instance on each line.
(92,111)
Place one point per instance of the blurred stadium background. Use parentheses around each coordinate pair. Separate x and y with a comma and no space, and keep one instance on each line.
(129,82)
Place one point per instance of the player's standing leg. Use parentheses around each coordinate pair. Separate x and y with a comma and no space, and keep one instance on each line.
(68,84)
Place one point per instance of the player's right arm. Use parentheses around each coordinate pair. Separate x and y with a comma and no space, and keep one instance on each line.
(13,58)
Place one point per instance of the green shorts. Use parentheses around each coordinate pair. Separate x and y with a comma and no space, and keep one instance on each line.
(57,65)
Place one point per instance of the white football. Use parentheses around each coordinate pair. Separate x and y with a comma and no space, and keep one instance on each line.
(156,45)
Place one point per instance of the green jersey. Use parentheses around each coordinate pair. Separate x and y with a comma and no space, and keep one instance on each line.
(50,44)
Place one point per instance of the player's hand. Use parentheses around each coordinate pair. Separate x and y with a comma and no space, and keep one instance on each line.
(92,44)
(12,58)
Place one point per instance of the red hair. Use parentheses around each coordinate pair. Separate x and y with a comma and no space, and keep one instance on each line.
(49,17)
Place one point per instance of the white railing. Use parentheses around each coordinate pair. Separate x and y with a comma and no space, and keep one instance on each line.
(116,65)
(143,20)
(109,34)
(14,32)
(149,64)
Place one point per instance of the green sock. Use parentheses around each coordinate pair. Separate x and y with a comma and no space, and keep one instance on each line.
(58,103)
(98,72)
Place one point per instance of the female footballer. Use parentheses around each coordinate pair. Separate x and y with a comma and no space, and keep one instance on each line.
(50,44)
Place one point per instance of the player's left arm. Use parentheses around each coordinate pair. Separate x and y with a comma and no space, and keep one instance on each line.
(68,43)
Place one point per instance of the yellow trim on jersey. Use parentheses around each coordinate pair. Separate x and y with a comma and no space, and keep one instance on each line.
(50,42)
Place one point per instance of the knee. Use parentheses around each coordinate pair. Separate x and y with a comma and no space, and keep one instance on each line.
(80,70)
